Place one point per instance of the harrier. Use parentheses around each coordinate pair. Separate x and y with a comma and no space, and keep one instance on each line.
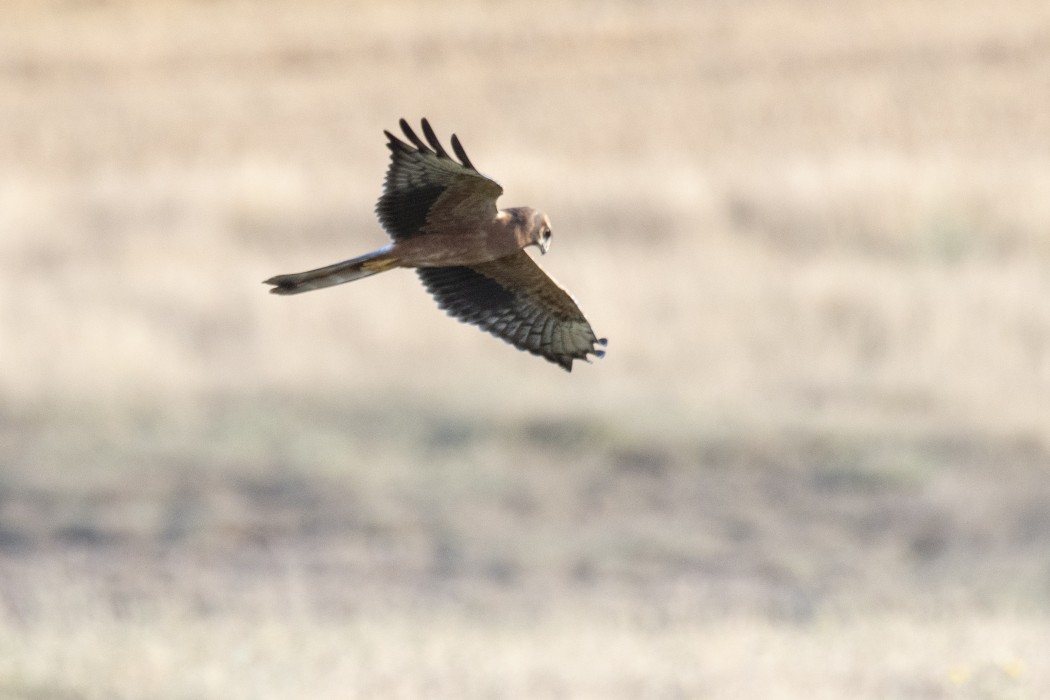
(441,215)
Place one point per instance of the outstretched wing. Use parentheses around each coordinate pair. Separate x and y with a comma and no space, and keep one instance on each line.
(513,299)
(426,191)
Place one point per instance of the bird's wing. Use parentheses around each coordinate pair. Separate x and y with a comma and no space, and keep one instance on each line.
(426,190)
(513,299)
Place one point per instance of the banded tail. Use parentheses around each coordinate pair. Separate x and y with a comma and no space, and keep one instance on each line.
(347,271)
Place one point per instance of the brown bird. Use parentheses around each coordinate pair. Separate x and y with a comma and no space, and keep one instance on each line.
(442,217)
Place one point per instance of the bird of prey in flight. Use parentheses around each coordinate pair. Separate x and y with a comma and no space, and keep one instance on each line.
(441,215)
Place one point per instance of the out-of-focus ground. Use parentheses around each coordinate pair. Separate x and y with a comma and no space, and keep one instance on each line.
(814,464)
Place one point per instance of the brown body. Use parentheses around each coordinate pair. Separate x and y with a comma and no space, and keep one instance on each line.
(508,232)
(443,219)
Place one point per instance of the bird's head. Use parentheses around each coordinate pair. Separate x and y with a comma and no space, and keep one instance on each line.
(542,232)
(530,226)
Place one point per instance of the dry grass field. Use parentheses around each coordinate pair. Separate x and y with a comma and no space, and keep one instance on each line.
(813,465)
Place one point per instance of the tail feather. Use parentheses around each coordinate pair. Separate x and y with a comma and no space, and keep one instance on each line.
(339,273)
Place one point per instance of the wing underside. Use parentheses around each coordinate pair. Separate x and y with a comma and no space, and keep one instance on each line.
(513,299)
(426,188)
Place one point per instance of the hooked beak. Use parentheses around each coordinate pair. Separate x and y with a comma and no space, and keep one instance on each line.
(544,245)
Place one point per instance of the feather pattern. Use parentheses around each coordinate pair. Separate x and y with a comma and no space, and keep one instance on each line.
(424,185)
(513,299)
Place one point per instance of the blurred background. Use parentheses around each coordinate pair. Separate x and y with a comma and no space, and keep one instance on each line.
(813,464)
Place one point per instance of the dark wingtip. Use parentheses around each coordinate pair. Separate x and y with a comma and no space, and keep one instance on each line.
(416,141)
(460,153)
(432,139)
(394,143)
